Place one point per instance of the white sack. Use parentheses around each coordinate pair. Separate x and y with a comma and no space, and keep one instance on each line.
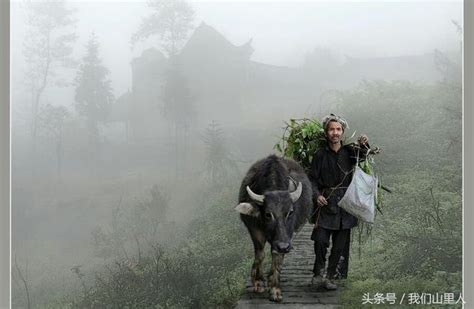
(359,199)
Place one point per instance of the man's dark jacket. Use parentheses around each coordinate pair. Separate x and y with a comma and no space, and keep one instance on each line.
(330,175)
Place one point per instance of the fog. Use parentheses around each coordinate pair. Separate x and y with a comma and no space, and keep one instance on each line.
(241,71)
(283,32)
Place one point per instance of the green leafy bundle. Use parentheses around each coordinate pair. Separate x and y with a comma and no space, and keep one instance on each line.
(301,139)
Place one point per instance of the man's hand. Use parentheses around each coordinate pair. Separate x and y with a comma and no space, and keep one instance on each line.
(322,201)
(363,140)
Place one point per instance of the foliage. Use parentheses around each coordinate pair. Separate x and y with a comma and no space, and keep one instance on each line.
(50,41)
(52,118)
(109,242)
(171,20)
(301,139)
(47,48)
(417,245)
(177,99)
(154,211)
(52,121)
(207,269)
(425,221)
(408,118)
(93,94)
(218,164)
(135,228)
(179,109)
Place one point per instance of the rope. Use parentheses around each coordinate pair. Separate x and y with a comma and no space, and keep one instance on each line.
(339,186)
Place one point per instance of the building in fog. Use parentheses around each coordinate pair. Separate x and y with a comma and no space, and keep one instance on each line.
(226,85)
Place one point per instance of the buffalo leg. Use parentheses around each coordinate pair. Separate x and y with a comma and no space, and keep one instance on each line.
(258,278)
(274,279)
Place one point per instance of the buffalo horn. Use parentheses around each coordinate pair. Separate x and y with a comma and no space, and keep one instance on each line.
(291,185)
(256,197)
(295,195)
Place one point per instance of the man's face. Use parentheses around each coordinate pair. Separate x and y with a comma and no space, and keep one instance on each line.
(334,132)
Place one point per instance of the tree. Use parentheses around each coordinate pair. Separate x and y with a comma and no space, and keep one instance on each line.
(48,46)
(178,109)
(218,162)
(148,219)
(450,92)
(93,95)
(171,20)
(23,277)
(177,98)
(52,119)
(137,224)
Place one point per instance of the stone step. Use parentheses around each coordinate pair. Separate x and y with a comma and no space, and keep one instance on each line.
(297,291)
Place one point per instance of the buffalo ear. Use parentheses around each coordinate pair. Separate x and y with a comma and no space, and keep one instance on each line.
(247,209)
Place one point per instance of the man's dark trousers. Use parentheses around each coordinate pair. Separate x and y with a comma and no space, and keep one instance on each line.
(321,245)
(343,266)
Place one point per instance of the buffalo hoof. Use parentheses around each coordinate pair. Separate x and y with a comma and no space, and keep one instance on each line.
(275,295)
(259,286)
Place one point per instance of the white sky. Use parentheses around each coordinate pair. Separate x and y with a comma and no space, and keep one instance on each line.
(282,31)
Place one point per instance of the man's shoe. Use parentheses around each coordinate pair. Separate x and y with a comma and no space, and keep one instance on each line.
(317,281)
(329,284)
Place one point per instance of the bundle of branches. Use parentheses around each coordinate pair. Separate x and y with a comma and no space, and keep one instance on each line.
(302,137)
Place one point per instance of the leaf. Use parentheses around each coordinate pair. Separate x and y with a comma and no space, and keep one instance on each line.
(278,147)
(303,132)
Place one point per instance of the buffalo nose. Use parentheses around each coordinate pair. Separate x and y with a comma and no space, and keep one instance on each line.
(283,247)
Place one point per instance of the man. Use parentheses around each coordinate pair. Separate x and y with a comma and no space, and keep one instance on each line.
(331,173)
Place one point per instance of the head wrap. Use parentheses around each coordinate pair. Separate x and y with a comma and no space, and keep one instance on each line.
(331,117)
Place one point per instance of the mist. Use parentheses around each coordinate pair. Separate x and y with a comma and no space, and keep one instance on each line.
(109,165)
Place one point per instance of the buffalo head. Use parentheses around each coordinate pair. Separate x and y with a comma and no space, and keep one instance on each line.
(275,210)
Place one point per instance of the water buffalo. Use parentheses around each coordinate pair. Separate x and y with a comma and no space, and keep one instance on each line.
(275,201)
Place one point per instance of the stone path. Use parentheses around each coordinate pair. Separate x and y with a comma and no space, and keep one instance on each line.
(295,281)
